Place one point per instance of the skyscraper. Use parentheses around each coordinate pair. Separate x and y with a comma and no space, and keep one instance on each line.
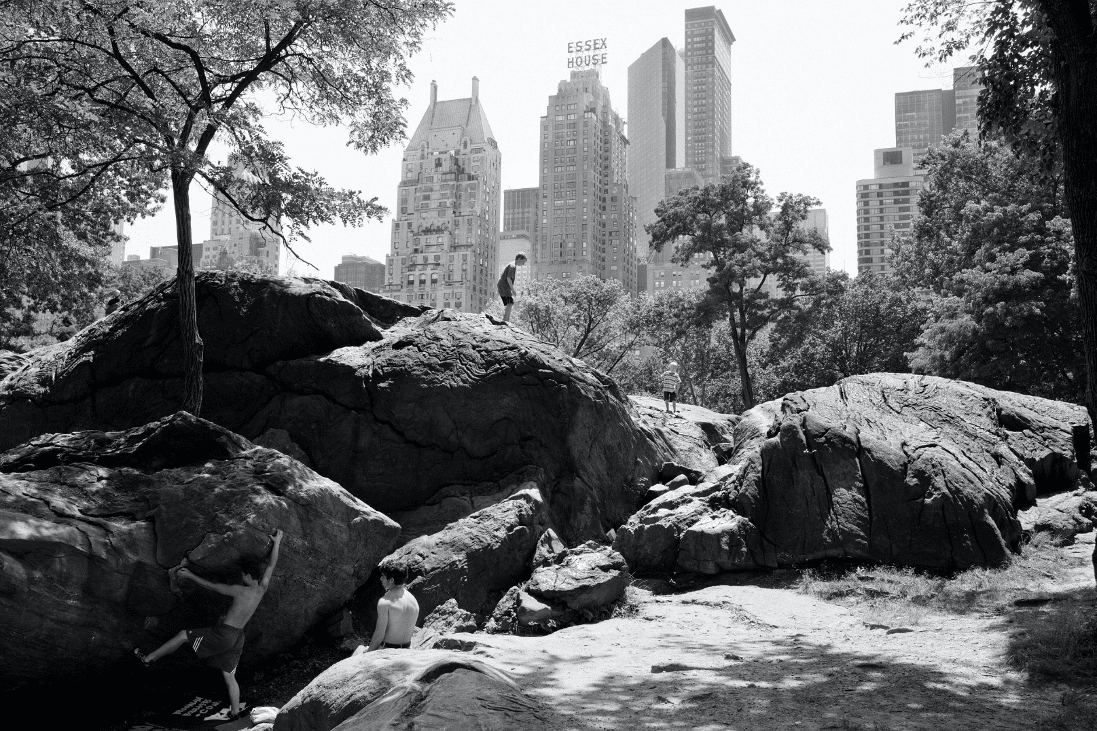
(886,205)
(587,223)
(521,208)
(444,238)
(656,129)
(923,117)
(708,91)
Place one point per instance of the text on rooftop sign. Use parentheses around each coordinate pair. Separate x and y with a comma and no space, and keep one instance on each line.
(587,54)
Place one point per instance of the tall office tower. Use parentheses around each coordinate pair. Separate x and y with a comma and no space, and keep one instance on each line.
(966,88)
(886,205)
(708,90)
(521,208)
(118,248)
(656,127)
(363,272)
(818,222)
(444,238)
(922,118)
(587,221)
(512,243)
(661,272)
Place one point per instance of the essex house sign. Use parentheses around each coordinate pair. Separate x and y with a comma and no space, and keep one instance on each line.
(587,54)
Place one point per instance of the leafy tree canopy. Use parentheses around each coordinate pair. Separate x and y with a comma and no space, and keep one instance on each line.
(993,246)
(755,246)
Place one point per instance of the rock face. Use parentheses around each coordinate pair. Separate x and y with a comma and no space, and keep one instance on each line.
(10,362)
(584,577)
(1063,515)
(421,689)
(477,558)
(697,436)
(897,469)
(440,401)
(93,526)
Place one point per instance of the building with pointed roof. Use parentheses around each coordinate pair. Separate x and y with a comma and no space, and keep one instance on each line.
(444,237)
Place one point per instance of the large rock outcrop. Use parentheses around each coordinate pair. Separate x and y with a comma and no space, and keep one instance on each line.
(898,469)
(421,689)
(475,559)
(438,401)
(93,526)
(698,437)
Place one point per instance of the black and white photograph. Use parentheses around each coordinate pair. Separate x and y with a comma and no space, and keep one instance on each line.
(496,365)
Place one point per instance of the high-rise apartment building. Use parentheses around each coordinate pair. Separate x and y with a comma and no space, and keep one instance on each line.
(444,238)
(923,117)
(587,223)
(521,209)
(234,239)
(886,205)
(656,130)
(707,56)
(363,272)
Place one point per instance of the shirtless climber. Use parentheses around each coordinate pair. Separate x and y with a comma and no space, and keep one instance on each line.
(222,645)
(397,612)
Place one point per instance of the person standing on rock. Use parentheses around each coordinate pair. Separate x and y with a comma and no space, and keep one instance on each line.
(671,381)
(397,612)
(506,284)
(221,646)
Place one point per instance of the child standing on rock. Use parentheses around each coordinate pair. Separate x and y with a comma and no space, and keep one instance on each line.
(221,646)
(671,382)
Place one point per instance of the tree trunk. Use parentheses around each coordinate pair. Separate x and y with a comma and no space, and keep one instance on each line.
(1074,55)
(184,288)
(740,343)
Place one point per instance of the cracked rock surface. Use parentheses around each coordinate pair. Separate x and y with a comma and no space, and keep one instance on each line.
(93,526)
(421,689)
(395,410)
(891,468)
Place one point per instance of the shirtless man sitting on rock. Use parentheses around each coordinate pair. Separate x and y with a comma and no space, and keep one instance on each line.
(397,612)
(221,646)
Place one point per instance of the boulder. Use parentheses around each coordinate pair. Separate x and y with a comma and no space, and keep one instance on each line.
(548,546)
(93,526)
(422,689)
(440,405)
(477,558)
(890,468)
(694,436)
(448,618)
(1063,515)
(454,502)
(585,577)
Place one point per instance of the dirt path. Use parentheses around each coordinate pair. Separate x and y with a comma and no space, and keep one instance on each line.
(756,657)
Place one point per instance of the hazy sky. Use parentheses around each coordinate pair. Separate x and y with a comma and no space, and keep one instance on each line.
(813,87)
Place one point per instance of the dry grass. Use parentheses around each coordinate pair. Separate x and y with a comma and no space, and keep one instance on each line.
(1040,568)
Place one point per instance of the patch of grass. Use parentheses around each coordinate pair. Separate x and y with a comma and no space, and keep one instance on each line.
(1041,565)
(1079,713)
(1059,645)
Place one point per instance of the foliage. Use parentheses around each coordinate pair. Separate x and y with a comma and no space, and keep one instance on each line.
(158,81)
(1036,60)
(678,323)
(993,247)
(755,248)
(28,322)
(851,327)
(586,317)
